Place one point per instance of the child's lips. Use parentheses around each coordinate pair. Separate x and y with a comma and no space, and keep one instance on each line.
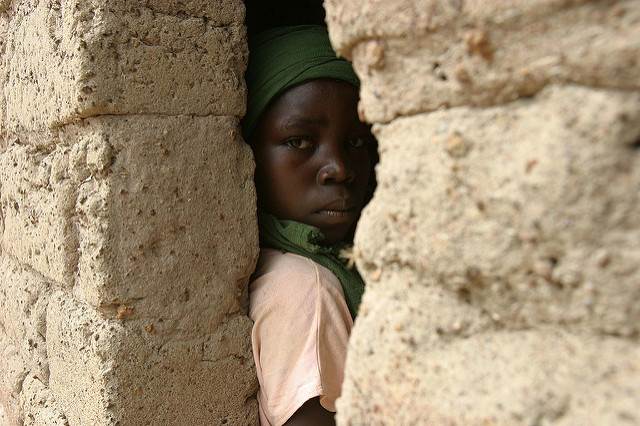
(342,205)
(338,211)
(331,218)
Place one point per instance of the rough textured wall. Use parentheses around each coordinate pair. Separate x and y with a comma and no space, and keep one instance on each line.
(127,213)
(502,248)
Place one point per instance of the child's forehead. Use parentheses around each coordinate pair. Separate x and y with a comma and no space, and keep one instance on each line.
(285,57)
(313,103)
(316,92)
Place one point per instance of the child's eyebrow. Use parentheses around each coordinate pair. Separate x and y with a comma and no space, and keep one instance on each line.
(302,121)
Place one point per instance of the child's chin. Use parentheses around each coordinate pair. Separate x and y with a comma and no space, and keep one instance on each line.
(332,236)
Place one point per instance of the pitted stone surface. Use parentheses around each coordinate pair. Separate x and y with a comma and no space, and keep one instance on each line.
(501,248)
(13,370)
(482,53)
(23,303)
(137,371)
(354,21)
(39,187)
(78,336)
(87,58)
(218,13)
(531,223)
(167,193)
(24,295)
(516,260)
(4,24)
(40,407)
(127,214)
(543,376)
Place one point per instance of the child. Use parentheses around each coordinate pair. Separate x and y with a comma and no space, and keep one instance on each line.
(314,164)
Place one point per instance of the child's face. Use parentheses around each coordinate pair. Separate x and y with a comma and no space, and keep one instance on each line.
(313,160)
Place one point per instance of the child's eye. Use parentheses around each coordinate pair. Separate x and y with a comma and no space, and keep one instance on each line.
(358,142)
(299,143)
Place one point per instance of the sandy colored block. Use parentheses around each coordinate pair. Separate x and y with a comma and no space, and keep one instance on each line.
(38,198)
(80,346)
(39,406)
(219,12)
(23,301)
(525,211)
(215,374)
(86,58)
(105,371)
(546,376)
(501,258)
(4,24)
(167,224)
(353,21)
(162,210)
(82,349)
(23,353)
(483,53)
(13,371)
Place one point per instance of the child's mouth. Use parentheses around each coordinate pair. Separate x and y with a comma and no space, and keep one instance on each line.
(336,213)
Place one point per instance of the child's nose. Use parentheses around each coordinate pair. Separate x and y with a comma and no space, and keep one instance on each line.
(336,168)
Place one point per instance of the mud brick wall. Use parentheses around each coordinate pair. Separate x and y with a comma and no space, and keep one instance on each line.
(502,248)
(127,225)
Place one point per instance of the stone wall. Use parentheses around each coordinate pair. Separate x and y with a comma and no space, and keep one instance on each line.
(127,225)
(502,248)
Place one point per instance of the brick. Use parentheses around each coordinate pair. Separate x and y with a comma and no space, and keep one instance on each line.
(482,53)
(4,24)
(135,373)
(38,201)
(23,300)
(167,224)
(39,406)
(219,13)
(511,378)
(88,58)
(78,346)
(151,221)
(13,370)
(501,257)
(520,222)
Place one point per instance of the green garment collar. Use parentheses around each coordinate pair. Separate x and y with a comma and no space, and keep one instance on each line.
(284,57)
(304,240)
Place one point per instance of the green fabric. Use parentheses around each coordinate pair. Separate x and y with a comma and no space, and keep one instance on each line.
(284,57)
(305,240)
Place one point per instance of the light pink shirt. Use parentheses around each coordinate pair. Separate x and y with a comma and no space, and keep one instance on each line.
(300,333)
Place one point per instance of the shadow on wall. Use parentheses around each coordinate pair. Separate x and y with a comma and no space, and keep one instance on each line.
(262,15)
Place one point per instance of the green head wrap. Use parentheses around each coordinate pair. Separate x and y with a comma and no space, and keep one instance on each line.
(284,57)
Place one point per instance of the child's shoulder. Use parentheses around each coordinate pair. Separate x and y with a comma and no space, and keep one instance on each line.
(290,273)
(290,288)
(272,260)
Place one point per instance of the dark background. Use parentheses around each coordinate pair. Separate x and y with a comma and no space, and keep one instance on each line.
(264,14)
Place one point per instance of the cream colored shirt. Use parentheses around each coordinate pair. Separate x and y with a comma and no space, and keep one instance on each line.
(300,333)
